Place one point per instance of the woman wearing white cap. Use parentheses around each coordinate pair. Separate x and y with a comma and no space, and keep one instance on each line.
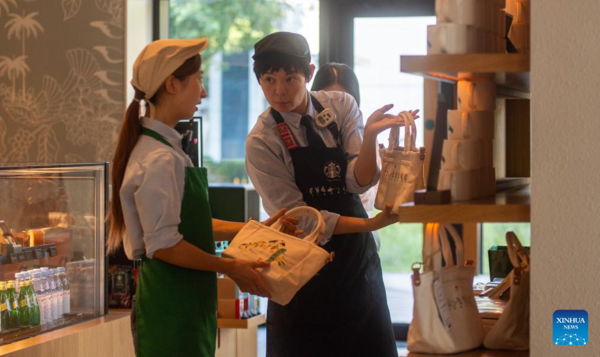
(160,209)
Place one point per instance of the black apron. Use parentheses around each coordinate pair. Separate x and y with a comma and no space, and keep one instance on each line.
(343,310)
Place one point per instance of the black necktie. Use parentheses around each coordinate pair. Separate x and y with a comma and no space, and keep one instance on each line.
(314,140)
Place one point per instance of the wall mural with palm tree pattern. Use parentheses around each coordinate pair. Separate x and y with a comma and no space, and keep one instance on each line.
(61,80)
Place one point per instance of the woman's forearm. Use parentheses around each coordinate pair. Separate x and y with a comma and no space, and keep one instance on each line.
(366,162)
(354,225)
(225,230)
(187,255)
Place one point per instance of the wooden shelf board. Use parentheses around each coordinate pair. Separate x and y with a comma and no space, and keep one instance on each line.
(241,324)
(509,71)
(511,205)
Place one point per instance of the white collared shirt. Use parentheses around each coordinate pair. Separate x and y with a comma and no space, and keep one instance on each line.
(152,192)
(269,163)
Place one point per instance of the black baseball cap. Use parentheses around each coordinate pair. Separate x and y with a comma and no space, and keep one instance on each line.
(287,43)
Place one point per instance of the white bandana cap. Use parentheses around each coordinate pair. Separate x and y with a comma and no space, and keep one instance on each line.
(159,59)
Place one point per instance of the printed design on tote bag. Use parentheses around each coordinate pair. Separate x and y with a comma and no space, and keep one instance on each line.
(273,249)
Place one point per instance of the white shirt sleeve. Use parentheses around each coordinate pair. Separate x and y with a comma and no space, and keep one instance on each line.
(158,200)
(352,128)
(276,184)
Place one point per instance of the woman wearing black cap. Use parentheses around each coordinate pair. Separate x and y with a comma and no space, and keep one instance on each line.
(307,149)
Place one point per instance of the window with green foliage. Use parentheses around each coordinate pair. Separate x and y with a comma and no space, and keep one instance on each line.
(401,246)
(494,234)
(235,99)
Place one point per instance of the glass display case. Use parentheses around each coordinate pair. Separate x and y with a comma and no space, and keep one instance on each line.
(52,247)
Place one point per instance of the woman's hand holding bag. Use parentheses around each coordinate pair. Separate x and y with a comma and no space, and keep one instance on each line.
(293,261)
(402,169)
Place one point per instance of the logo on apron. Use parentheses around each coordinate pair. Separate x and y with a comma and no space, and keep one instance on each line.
(332,169)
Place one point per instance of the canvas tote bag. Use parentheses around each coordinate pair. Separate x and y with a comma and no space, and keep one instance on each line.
(511,331)
(445,315)
(294,261)
(402,167)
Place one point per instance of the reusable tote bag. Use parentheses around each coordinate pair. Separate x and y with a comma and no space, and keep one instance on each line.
(402,167)
(511,331)
(445,315)
(294,261)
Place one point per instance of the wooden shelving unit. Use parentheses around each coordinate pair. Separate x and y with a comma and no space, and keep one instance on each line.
(510,71)
(512,205)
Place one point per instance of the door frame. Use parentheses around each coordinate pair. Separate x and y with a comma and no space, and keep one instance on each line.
(336,23)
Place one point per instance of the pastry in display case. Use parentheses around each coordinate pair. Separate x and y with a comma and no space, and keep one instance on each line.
(52,247)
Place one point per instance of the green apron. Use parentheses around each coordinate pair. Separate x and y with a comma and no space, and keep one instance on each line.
(176,308)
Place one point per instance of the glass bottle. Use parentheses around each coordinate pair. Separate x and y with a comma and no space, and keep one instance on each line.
(5,308)
(40,294)
(13,320)
(34,312)
(24,306)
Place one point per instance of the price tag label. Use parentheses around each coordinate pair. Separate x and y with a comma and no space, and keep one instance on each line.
(39,253)
(442,304)
(21,257)
(53,251)
(28,255)
(14,257)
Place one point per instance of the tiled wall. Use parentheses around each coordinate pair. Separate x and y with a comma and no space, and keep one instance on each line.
(61,80)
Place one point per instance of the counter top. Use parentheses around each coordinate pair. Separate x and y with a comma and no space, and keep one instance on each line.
(82,339)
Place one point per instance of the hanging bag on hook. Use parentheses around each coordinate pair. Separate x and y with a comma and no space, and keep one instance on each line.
(402,167)
(445,315)
(511,331)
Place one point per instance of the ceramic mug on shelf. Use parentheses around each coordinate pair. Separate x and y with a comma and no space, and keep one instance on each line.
(473,124)
(454,39)
(466,154)
(464,12)
(476,95)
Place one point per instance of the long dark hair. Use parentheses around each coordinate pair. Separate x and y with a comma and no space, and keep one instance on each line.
(130,132)
(337,73)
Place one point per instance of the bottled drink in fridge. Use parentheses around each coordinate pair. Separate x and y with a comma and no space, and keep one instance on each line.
(59,293)
(24,306)
(50,298)
(66,290)
(34,312)
(5,308)
(40,294)
(13,320)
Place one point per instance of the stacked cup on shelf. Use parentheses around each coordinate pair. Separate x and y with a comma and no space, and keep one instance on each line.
(467,167)
(519,30)
(468,26)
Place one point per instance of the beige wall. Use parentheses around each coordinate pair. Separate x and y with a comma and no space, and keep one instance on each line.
(565,208)
(61,80)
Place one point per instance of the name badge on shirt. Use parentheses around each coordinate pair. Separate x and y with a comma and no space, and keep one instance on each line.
(324,118)
(286,135)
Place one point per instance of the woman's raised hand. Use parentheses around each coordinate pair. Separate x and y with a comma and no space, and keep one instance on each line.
(380,121)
